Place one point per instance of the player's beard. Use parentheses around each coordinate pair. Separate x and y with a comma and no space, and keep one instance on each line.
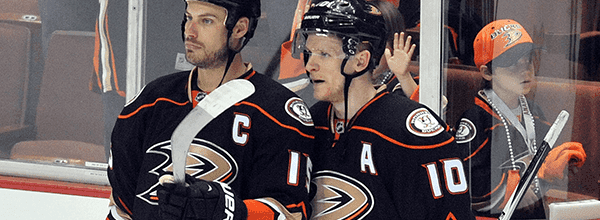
(211,60)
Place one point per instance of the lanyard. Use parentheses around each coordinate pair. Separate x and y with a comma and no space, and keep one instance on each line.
(528,132)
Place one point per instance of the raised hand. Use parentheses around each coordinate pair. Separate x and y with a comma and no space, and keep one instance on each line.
(398,60)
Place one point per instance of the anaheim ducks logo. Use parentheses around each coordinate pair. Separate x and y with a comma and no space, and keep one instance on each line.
(510,32)
(422,123)
(340,197)
(296,108)
(205,160)
(466,131)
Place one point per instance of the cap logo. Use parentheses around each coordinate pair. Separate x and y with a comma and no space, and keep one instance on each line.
(510,32)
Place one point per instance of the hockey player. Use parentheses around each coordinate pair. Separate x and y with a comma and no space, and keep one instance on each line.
(392,158)
(258,149)
(504,128)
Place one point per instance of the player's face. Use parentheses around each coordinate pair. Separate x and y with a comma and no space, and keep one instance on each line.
(517,79)
(324,65)
(205,34)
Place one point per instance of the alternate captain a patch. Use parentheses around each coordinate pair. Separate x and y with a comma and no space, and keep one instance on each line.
(296,108)
(422,123)
(466,131)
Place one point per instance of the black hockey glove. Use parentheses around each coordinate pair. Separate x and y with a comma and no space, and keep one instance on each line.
(199,199)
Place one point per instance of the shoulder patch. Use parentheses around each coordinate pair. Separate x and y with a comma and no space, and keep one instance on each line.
(422,123)
(296,108)
(466,131)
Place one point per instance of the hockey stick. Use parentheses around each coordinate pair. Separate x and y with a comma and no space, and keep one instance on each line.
(535,165)
(207,109)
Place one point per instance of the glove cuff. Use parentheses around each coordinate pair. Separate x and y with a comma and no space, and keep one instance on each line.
(235,208)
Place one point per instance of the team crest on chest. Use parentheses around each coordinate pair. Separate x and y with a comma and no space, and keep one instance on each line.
(205,160)
(298,110)
(466,131)
(340,197)
(422,123)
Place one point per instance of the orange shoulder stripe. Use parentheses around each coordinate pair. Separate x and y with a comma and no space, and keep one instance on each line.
(274,119)
(364,107)
(399,143)
(150,105)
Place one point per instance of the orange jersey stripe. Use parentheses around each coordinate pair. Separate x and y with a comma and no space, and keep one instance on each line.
(112,61)
(476,151)
(301,204)
(150,105)
(359,211)
(125,206)
(321,127)
(365,106)
(96,60)
(486,107)
(250,75)
(274,119)
(415,95)
(258,210)
(494,190)
(399,143)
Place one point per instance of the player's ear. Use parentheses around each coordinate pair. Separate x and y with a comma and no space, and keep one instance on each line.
(486,73)
(362,60)
(241,27)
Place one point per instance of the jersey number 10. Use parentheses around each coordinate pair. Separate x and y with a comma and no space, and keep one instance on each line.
(454,174)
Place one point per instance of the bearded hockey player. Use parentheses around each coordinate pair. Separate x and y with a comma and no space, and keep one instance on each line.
(250,162)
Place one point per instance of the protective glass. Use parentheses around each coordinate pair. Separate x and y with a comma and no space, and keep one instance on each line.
(299,45)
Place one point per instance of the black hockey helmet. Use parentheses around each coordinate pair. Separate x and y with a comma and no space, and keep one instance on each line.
(235,10)
(354,21)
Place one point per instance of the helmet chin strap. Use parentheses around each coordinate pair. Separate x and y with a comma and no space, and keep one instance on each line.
(347,81)
(231,54)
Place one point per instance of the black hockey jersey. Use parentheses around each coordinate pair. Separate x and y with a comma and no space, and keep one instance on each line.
(396,160)
(482,131)
(260,146)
